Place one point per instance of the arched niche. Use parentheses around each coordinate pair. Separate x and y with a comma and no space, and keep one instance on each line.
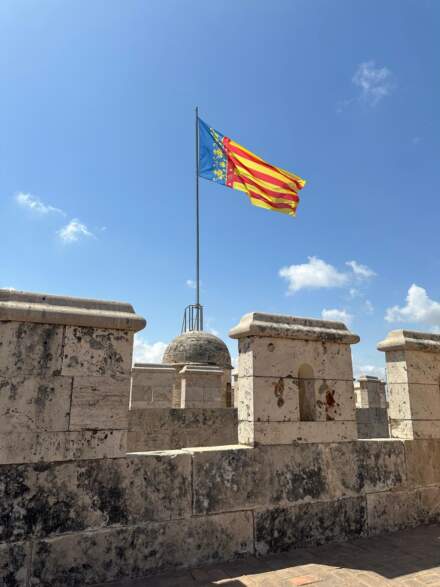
(307,399)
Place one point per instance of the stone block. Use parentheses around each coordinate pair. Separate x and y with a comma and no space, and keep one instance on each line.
(100,403)
(106,555)
(364,466)
(429,505)
(415,401)
(372,422)
(266,357)
(95,351)
(169,428)
(396,367)
(268,399)
(14,563)
(202,386)
(408,429)
(255,433)
(53,498)
(242,478)
(423,367)
(152,386)
(393,510)
(34,403)
(30,349)
(422,462)
(280,529)
(26,447)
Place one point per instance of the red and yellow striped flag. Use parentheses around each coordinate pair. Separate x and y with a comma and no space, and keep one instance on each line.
(226,162)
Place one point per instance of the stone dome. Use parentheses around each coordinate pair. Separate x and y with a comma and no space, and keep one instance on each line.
(197,347)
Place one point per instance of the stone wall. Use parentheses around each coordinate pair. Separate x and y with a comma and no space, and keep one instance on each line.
(85,522)
(165,429)
(372,422)
(65,368)
(76,510)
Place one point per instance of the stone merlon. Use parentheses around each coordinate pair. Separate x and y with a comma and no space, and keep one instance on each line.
(407,339)
(20,306)
(280,326)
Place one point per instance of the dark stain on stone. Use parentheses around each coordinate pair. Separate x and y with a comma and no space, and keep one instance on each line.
(45,393)
(278,389)
(14,490)
(281,529)
(105,488)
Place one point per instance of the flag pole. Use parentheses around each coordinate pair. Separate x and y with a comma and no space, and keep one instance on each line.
(199,320)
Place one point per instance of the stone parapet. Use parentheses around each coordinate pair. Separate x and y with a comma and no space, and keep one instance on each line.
(165,428)
(20,306)
(65,368)
(295,380)
(84,522)
(202,386)
(152,386)
(413,382)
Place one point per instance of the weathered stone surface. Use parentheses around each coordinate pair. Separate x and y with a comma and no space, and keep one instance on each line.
(372,422)
(355,468)
(30,349)
(288,432)
(30,307)
(92,351)
(105,555)
(280,529)
(34,404)
(169,428)
(268,357)
(241,478)
(152,386)
(429,505)
(202,386)
(14,561)
(417,429)
(197,347)
(268,399)
(391,510)
(26,447)
(47,499)
(415,401)
(422,461)
(100,403)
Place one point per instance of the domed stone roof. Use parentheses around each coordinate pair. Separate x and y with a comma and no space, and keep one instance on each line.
(197,347)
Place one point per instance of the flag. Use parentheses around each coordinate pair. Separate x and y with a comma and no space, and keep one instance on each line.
(224,161)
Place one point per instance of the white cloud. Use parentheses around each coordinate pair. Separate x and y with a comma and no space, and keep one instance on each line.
(372,370)
(191,283)
(74,231)
(314,274)
(144,352)
(419,308)
(338,315)
(375,82)
(361,271)
(35,204)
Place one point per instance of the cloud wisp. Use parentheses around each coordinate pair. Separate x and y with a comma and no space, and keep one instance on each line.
(144,352)
(36,205)
(374,82)
(316,274)
(337,315)
(73,231)
(419,308)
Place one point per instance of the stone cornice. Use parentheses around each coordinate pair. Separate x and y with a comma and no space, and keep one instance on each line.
(410,340)
(19,306)
(280,326)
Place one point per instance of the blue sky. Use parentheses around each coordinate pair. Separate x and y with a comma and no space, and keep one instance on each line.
(97,158)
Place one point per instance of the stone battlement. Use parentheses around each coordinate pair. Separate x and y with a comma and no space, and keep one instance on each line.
(80,504)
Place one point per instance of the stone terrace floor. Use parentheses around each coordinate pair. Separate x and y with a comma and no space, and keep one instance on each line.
(408,558)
